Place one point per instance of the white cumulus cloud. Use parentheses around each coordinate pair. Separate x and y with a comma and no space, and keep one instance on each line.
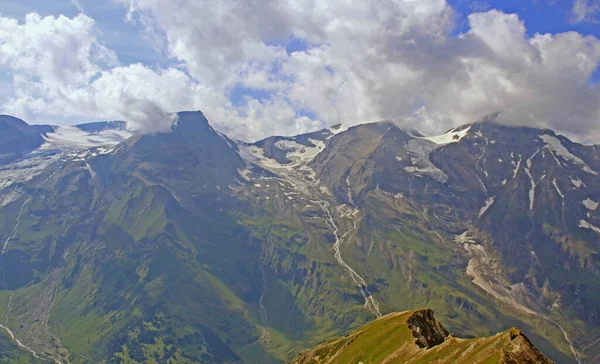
(304,64)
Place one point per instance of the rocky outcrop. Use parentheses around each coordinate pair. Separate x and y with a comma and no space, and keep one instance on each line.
(521,350)
(426,329)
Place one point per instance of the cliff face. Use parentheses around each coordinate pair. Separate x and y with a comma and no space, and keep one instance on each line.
(417,337)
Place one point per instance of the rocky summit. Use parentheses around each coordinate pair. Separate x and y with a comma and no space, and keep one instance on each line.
(187,246)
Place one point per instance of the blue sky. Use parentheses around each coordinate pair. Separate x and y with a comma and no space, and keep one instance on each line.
(540,16)
(262,69)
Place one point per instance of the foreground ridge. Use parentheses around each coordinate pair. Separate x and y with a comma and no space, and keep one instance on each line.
(417,337)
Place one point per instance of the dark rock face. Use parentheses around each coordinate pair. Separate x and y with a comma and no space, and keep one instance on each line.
(16,136)
(272,151)
(426,329)
(192,160)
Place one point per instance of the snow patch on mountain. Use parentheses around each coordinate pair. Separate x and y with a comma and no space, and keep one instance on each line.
(586,225)
(484,208)
(556,188)
(299,153)
(517,164)
(556,146)
(553,155)
(336,129)
(297,172)
(534,184)
(82,155)
(419,151)
(90,170)
(576,182)
(254,154)
(451,136)
(66,142)
(590,204)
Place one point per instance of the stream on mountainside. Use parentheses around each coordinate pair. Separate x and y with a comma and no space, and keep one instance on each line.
(9,308)
(370,303)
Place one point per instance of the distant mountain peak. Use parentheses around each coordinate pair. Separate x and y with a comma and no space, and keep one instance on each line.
(190,120)
(8,119)
(16,137)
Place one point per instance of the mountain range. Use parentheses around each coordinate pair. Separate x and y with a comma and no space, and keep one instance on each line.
(189,246)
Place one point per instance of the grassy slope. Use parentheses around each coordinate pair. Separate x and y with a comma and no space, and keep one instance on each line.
(303,280)
(390,340)
(416,268)
(11,353)
(160,283)
(406,264)
(137,280)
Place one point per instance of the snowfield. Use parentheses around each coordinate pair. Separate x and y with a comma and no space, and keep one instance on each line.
(66,142)
(451,136)
(71,138)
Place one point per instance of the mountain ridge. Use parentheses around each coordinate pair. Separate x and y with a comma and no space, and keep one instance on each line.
(417,337)
(492,227)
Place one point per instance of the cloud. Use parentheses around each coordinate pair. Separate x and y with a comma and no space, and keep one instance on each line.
(60,68)
(365,61)
(145,115)
(78,6)
(585,10)
(53,49)
(311,64)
